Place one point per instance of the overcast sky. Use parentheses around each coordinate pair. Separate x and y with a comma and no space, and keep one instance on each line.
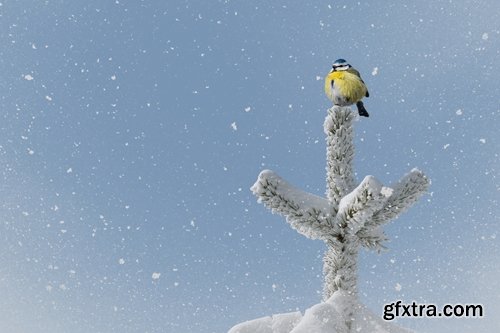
(131,132)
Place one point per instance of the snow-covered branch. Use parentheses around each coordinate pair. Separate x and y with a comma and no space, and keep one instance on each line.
(404,194)
(372,238)
(339,153)
(307,213)
(340,268)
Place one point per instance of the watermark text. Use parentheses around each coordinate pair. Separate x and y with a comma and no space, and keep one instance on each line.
(399,309)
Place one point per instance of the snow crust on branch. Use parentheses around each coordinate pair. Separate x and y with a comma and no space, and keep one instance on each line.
(357,207)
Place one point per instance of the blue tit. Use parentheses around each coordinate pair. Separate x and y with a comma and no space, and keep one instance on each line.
(344,86)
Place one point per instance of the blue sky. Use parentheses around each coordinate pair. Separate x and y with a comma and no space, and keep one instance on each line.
(131,132)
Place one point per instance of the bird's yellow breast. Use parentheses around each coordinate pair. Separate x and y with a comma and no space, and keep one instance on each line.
(349,85)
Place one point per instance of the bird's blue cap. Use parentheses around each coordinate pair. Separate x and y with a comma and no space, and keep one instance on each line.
(339,62)
(340,65)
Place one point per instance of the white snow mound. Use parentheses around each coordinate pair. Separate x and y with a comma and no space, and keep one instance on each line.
(325,317)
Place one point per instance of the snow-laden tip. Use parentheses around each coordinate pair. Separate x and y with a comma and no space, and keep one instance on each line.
(258,185)
(338,116)
(270,181)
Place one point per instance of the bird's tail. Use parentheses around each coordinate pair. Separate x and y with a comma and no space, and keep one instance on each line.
(361,109)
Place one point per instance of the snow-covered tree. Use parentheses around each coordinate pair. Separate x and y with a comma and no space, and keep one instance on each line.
(350,217)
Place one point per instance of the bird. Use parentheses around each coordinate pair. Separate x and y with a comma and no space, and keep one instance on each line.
(344,86)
